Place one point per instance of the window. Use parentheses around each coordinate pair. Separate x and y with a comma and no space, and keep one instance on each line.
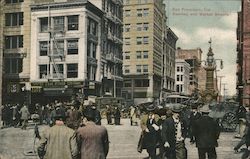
(181,69)
(181,78)
(139,1)
(138,69)
(127,84)
(145,12)
(72,46)
(14,19)
(145,26)
(145,68)
(145,40)
(177,88)
(73,22)
(126,69)
(145,54)
(127,27)
(138,54)
(127,41)
(139,12)
(139,40)
(43,24)
(91,71)
(58,48)
(178,69)
(178,78)
(127,13)
(14,42)
(42,71)
(43,48)
(139,26)
(58,23)
(13,1)
(92,27)
(13,65)
(141,83)
(127,55)
(58,74)
(72,70)
(94,50)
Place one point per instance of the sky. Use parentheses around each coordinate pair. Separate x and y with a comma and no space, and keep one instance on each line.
(196,21)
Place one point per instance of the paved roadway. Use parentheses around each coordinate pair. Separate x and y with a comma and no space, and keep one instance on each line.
(15,143)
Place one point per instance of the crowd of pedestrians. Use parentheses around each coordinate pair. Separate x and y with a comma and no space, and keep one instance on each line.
(14,115)
(168,129)
(74,135)
(75,130)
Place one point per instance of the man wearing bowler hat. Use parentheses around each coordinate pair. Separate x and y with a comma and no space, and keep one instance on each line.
(174,132)
(206,132)
(195,115)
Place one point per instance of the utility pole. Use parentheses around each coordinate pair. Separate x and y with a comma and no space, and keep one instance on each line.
(224,84)
(220,77)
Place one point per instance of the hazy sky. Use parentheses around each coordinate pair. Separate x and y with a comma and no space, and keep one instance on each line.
(195,21)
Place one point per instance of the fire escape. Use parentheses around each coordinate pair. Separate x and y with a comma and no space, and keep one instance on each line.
(55,47)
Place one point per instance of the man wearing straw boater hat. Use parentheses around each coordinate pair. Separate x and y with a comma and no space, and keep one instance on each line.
(206,132)
(174,132)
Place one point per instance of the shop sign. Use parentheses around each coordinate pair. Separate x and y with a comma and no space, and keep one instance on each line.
(13,88)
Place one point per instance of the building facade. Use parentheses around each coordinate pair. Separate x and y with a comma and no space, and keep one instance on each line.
(193,57)
(168,63)
(1,49)
(112,46)
(15,44)
(145,53)
(182,71)
(66,50)
(243,54)
(77,51)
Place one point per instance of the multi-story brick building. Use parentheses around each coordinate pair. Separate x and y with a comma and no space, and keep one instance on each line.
(243,54)
(193,57)
(148,56)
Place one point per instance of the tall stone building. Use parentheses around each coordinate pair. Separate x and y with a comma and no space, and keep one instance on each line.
(111,46)
(15,42)
(148,51)
(66,52)
(193,57)
(243,54)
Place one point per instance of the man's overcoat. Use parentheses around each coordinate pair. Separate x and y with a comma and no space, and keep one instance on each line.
(93,141)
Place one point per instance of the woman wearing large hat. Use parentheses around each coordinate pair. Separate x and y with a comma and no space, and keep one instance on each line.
(150,128)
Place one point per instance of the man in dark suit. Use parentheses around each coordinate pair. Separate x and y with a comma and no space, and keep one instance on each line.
(174,132)
(195,115)
(206,132)
(92,139)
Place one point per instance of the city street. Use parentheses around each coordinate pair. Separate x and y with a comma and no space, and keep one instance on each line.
(15,143)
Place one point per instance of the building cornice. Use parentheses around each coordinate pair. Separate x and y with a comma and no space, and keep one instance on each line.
(66,5)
